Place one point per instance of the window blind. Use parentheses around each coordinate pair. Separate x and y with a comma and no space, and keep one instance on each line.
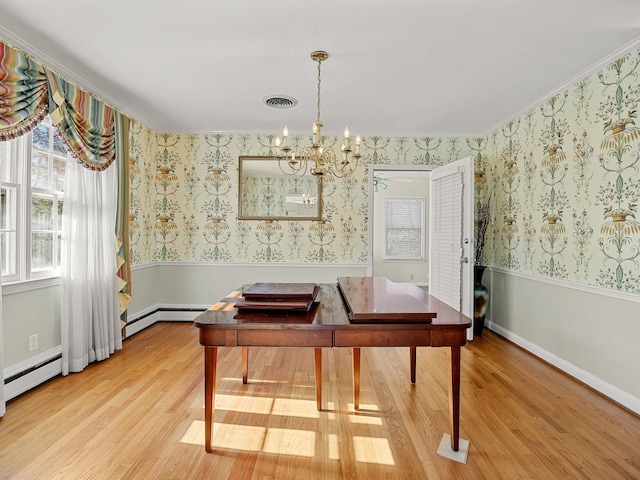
(404,228)
(446,238)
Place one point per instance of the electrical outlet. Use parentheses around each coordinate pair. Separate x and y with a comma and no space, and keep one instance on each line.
(33,342)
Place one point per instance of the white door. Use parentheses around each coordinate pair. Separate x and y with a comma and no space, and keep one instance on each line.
(451,236)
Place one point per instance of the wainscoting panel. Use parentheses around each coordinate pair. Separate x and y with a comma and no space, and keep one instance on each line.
(589,332)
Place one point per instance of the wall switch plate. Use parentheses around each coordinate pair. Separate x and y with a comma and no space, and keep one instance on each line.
(33,342)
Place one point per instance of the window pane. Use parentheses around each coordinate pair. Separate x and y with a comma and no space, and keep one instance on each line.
(404,243)
(40,137)
(41,213)
(5,160)
(58,174)
(58,146)
(8,252)
(59,249)
(39,170)
(41,251)
(7,208)
(60,215)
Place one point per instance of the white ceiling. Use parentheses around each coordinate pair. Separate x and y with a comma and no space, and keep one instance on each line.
(399,68)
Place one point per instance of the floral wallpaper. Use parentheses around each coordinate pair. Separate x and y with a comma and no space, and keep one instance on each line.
(561,183)
(184,199)
(566,183)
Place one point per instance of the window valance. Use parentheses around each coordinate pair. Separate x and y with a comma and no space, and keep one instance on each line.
(29,91)
(23,93)
(86,124)
(94,133)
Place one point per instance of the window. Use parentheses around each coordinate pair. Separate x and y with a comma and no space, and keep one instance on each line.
(404,228)
(32,184)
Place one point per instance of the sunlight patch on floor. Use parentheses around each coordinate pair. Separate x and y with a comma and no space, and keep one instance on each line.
(295,408)
(367,414)
(365,420)
(364,407)
(285,407)
(236,437)
(334,450)
(194,434)
(331,406)
(280,441)
(286,441)
(244,404)
(372,450)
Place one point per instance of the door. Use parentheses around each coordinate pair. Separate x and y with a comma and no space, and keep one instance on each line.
(451,236)
(397,256)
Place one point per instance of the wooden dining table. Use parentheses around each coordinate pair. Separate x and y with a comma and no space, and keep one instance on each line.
(355,312)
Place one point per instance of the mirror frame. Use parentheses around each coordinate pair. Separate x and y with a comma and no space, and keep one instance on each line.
(315,215)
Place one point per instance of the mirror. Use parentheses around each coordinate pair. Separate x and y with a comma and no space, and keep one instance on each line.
(265,193)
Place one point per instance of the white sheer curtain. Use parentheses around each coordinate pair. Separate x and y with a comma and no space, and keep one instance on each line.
(2,401)
(89,309)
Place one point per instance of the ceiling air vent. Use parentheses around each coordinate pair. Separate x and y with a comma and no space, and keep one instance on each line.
(280,101)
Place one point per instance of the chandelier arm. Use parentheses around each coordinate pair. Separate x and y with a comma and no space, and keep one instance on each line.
(290,167)
(318,159)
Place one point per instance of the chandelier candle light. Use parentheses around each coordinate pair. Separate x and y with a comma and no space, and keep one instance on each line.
(315,158)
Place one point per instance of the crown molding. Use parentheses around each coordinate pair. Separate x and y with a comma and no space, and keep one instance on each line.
(617,53)
(28,48)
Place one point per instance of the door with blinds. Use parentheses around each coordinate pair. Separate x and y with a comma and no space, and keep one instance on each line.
(451,235)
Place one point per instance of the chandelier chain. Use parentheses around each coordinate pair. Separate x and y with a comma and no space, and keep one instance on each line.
(319,80)
(293,160)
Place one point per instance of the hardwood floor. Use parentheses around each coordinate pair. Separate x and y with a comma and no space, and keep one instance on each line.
(139,415)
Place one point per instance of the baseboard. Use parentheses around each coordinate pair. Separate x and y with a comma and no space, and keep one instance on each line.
(614,393)
(32,372)
(139,323)
(161,313)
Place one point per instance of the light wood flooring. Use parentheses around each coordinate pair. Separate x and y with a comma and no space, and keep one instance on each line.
(139,415)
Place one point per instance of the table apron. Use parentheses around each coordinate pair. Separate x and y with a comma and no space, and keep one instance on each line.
(360,337)
(285,338)
(382,337)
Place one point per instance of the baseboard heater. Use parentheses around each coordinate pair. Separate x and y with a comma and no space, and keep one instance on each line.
(23,377)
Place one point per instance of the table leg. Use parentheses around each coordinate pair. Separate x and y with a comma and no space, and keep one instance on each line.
(454,397)
(356,378)
(210,367)
(245,364)
(412,355)
(318,361)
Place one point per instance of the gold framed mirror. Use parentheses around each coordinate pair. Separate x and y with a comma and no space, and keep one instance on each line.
(266,193)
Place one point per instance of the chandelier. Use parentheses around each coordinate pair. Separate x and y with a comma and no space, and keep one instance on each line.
(315,157)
